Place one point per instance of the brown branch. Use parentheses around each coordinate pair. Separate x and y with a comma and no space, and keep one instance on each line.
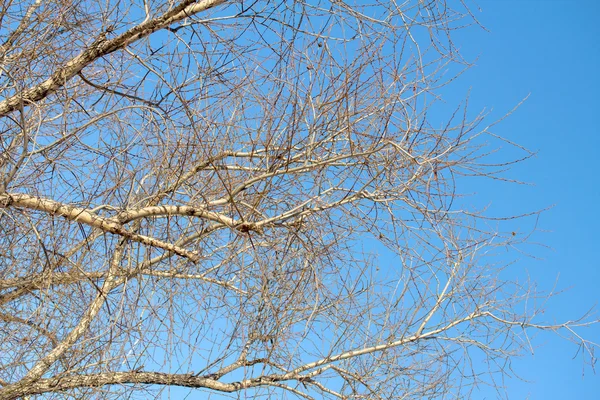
(10,40)
(115,92)
(24,285)
(43,331)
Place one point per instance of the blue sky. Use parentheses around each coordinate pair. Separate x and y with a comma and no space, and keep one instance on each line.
(549,50)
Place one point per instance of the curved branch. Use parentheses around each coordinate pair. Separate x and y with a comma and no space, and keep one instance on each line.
(100,48)
(89,218)
(113,378)
(189,380)
(11,318)
(43,364)
(10,40)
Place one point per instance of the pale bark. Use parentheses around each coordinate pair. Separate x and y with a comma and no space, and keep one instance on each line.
(260,199)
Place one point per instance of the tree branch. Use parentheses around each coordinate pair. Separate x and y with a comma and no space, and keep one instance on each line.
(89,218)
(100,48)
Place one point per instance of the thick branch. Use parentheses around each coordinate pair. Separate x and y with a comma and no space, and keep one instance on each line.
(155,211)
(89,218)
(101,48)
(114,378)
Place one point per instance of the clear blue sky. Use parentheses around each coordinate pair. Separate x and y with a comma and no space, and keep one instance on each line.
(550,50)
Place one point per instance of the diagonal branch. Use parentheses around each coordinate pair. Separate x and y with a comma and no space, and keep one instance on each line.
(89,218)
(10,40)
(100,48)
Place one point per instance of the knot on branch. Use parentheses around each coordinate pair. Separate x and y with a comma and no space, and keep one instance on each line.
(246,227)
(305,379)
(6,200)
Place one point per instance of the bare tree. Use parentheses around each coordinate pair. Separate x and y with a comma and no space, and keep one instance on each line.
(193,193)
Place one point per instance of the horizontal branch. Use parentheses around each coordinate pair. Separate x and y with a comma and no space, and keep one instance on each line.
(62,383)
(193,211)
(25,285)
(89,218)
(68,382)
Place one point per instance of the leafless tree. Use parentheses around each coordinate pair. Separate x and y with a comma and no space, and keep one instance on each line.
(194,193)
